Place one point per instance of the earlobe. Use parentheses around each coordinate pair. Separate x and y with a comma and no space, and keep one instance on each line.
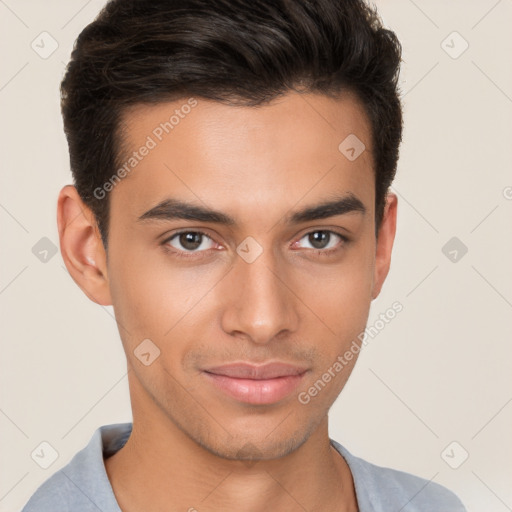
(81,246)
(385,239)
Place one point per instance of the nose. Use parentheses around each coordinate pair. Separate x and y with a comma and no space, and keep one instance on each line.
(259,302)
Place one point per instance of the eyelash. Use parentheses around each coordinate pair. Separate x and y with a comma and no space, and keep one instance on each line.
(193,254)
(184,254)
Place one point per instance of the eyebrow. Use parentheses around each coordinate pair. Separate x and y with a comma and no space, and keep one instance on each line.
(171,209)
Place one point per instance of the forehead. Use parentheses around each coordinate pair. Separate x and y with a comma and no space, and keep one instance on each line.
(238,157)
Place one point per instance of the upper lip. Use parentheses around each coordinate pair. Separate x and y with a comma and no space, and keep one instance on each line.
(257,372)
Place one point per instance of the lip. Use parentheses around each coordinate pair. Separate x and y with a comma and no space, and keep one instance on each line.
(256,384)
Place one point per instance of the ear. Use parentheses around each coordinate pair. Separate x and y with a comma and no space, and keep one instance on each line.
(81,246)
(385,239)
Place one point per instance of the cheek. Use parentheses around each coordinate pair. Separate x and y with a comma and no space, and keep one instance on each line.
(341,309)
(155,299)
(340,298)
(341,295)
(141,295)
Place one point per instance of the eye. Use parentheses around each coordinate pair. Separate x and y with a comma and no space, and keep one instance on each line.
(324,240)
(189,241)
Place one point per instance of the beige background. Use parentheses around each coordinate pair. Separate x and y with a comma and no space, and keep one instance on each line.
(438,373)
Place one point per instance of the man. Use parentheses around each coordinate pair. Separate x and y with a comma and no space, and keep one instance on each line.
(231,163)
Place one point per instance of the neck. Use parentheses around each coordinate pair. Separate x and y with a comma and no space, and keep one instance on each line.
(162,466)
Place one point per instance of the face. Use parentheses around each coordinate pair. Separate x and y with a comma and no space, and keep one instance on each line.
(245,290)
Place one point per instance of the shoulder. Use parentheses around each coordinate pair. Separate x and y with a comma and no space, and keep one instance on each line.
(82,484)
(58,493)
(384,489)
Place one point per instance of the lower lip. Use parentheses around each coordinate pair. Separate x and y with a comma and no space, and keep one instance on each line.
(260,392)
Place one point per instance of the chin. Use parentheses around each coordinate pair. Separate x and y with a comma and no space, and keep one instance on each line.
(253,448)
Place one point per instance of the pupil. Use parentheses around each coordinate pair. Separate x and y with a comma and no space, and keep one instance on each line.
(190,241)
(319,239)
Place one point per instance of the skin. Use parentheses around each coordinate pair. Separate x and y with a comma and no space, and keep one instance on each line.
(193,447)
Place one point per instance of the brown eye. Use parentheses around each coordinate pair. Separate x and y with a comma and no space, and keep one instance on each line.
(323,240)
(190,241)
(319,239)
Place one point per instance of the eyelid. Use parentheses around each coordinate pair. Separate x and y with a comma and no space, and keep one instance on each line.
(344,240)
(194,256)
(336,230)
(181,231)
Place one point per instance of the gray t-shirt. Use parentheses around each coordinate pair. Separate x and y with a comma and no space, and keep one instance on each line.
(83,485)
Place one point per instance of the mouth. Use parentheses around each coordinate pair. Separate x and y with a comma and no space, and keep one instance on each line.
(259,385)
